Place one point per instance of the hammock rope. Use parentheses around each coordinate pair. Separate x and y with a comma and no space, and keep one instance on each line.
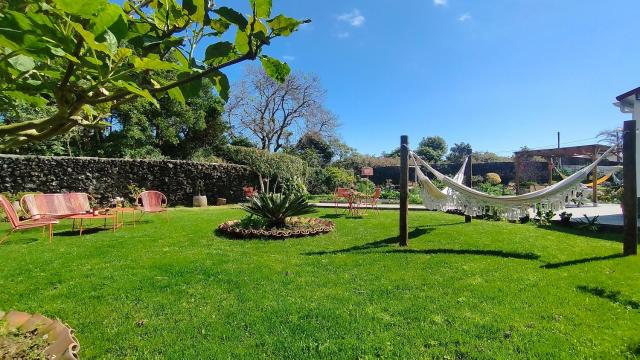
(513,207)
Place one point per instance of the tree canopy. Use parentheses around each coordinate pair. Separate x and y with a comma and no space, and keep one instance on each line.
(432,148)
(459,152)
(83,58)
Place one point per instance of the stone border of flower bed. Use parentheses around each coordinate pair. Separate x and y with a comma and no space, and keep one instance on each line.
(62,343)
(318,226)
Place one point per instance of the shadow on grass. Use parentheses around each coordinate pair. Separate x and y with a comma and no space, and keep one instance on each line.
(613,296)
(332,216)
(581,261)
(495,253)
(23,240)
(87,231)
(634,349)
(417,232)
(603,234)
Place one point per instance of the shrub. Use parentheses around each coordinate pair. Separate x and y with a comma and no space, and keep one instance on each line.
(274,209)
(389,193)
(565,218)
(365,186)
(275,170)
(325,181)
(493,178)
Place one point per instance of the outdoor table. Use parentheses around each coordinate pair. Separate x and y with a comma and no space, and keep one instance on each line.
(354,202)
(120,218)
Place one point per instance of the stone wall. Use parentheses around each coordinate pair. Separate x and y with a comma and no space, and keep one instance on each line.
(109,178)
(532,171)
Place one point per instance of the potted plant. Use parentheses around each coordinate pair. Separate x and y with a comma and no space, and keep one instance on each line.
(199,200)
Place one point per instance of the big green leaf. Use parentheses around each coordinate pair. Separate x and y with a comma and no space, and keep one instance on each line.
(21,97)
(233,17)
(221,82)
(263,8)
(284,26)
(242,42)
(133,88)
(90,39)
(83,8)
(22,62)
(276,69)
(219,53)
(197,9)
(153,64)
(106,18)
(176,94)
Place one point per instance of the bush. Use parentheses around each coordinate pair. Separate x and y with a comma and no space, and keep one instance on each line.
(365,186)
(277,170)
(496,190)
(390,194)
(493,178)
(325,181)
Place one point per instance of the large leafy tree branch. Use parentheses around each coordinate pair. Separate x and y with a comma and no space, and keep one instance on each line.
(85,57)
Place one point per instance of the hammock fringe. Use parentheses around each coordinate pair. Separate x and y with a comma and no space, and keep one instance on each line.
(513,207)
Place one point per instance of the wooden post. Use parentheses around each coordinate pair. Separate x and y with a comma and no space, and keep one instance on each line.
(594,196)
(468,173)
(630,201)
(550,170)
(517,165)
(404,190)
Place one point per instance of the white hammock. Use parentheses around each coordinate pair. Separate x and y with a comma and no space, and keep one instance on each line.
(434,198)
(513,207)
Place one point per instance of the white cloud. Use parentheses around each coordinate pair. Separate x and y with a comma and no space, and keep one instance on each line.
(288,58)
(353,18)
(464,17)
(343,35)
(440,2)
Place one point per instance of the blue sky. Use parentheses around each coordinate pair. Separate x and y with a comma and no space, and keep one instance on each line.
(498,74)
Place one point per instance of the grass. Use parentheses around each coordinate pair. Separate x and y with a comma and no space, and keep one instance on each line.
(483,290)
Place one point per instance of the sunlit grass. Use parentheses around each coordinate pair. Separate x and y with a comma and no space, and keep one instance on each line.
(481,290)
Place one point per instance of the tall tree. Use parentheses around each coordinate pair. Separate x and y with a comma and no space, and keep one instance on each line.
(85,57)
(175,130)
(274,113)
(459,152)
(312,145)
(432,148)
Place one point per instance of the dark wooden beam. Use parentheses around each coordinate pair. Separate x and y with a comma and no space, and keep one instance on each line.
(468,173)
(404,190)
(630,201)
(594,194)
(518,164)
(550,171)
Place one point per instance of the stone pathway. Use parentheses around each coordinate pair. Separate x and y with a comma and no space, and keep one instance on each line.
(610,214)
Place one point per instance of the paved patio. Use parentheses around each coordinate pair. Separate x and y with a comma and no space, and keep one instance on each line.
(610,214)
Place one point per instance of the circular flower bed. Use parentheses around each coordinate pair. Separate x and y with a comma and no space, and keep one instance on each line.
(296,227)
(28,336)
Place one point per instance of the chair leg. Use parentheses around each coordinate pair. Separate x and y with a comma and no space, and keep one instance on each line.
(50,233)
(81,227)
(6,236)
(73,227)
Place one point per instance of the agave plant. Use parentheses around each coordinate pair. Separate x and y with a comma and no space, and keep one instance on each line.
(274,209)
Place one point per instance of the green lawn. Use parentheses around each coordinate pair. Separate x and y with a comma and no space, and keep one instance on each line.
(460,291)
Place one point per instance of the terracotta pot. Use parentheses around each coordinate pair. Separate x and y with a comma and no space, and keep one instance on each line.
(62,342)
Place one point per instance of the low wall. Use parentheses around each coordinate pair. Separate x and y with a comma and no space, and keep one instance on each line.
(106,179)
(532,171)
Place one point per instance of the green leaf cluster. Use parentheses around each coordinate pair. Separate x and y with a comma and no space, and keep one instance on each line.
(86,57)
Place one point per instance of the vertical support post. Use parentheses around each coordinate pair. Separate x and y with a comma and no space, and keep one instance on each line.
(404,190)
(468,173)
(517,164)
(550,171)
(594,195)
(630,201)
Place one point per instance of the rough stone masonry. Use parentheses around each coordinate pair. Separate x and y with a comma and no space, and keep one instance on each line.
(106,179)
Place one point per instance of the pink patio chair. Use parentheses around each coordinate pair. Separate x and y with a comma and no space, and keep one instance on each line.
(342,193)
(17,225)
(152,202)
(372,201)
